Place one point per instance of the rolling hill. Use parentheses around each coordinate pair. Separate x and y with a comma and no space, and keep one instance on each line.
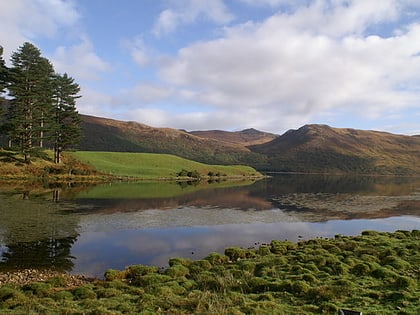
(101,134)
(311,148)
(320,148)
(245,137)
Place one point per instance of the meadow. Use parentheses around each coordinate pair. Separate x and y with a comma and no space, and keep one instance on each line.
(158,166)
(373,273)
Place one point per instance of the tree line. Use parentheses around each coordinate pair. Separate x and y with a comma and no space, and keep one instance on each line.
(39,105)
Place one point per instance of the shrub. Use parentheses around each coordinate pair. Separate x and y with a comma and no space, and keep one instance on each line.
(107,292)
(11,297)
(180,261)
(136,271)
(402,282)
(84,292)
(395,262)
(177,271)
(63,295)
(112,274)
(41,289)
(263,251)
(300,288)
(247,265)
(281,247)
(328,308)
(235,253)
(258,285)
(57,281)
(217,259)
(360,269)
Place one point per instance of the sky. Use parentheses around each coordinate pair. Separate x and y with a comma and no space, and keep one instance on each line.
(272,65)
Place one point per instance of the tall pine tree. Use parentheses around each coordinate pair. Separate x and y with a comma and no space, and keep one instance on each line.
(31,90)
(67,120)
(3,74)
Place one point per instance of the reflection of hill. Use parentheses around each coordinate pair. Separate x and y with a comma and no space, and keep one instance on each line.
(302,197)
(139,196)
(324,207)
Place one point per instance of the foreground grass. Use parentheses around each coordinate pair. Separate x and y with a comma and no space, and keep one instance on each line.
(149,165)
(374,273)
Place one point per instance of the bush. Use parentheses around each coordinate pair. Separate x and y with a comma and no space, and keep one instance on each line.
(40,289)
(84,292)
(360,269)
(112,274)
(180,261)
(263,251)
(136,271)
(235,253)
(177,271)
(217,259)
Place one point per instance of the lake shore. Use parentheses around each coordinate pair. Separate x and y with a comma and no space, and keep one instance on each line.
(375,272)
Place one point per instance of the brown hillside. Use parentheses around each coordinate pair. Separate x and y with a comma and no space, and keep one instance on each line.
(245,137)
(325,149)
(102,134)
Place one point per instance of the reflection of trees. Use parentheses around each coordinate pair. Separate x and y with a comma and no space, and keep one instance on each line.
(42,254)
(36,234)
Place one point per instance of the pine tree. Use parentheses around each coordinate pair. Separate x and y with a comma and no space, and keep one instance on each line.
(3,83)
(31,89)
(67,119)
(3,73)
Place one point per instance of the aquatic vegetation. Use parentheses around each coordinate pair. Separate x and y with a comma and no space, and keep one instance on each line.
(374,273)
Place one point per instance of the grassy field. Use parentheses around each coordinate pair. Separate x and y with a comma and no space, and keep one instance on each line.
(148,165)
(373,273)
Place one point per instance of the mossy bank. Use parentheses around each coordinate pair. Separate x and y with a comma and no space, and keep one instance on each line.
(374,273)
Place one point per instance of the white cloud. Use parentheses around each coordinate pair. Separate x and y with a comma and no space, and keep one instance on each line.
(146,93)
(138,50)
(24,20)
(189,11)
(80,61)
(298,64)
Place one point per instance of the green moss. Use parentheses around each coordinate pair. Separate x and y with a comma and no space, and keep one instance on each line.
(380,277)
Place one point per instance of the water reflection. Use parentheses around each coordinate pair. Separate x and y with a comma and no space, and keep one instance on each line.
(33,234)
(90,229)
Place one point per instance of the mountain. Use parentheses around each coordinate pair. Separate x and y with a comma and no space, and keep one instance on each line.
(320,148)
(102,134)
(245,137)
(311,148)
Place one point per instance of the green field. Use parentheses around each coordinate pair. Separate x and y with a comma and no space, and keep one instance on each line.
(153,166)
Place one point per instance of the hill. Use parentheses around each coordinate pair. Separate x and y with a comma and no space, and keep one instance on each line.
(101,134)
(245,137)
(320,148)
(157,166)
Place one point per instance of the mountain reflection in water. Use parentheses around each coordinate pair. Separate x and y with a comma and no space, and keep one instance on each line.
(90,229)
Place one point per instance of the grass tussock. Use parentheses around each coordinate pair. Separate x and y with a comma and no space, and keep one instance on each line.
(375,273)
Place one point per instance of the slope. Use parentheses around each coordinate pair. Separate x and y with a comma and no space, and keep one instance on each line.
(245,137)
(320,148)
(101,134)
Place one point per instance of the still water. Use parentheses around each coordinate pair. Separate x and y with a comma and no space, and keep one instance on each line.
(87,230)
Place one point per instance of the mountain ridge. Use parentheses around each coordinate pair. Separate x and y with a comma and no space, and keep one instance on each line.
(330,149)
(310,148)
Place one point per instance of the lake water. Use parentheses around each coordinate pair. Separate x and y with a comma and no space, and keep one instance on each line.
(87,230)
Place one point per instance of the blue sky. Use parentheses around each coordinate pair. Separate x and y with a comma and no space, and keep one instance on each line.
(273,65)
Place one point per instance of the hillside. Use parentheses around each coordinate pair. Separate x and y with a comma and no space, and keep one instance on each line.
(320,148)
(245,137)
(101,134)
(158,166)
